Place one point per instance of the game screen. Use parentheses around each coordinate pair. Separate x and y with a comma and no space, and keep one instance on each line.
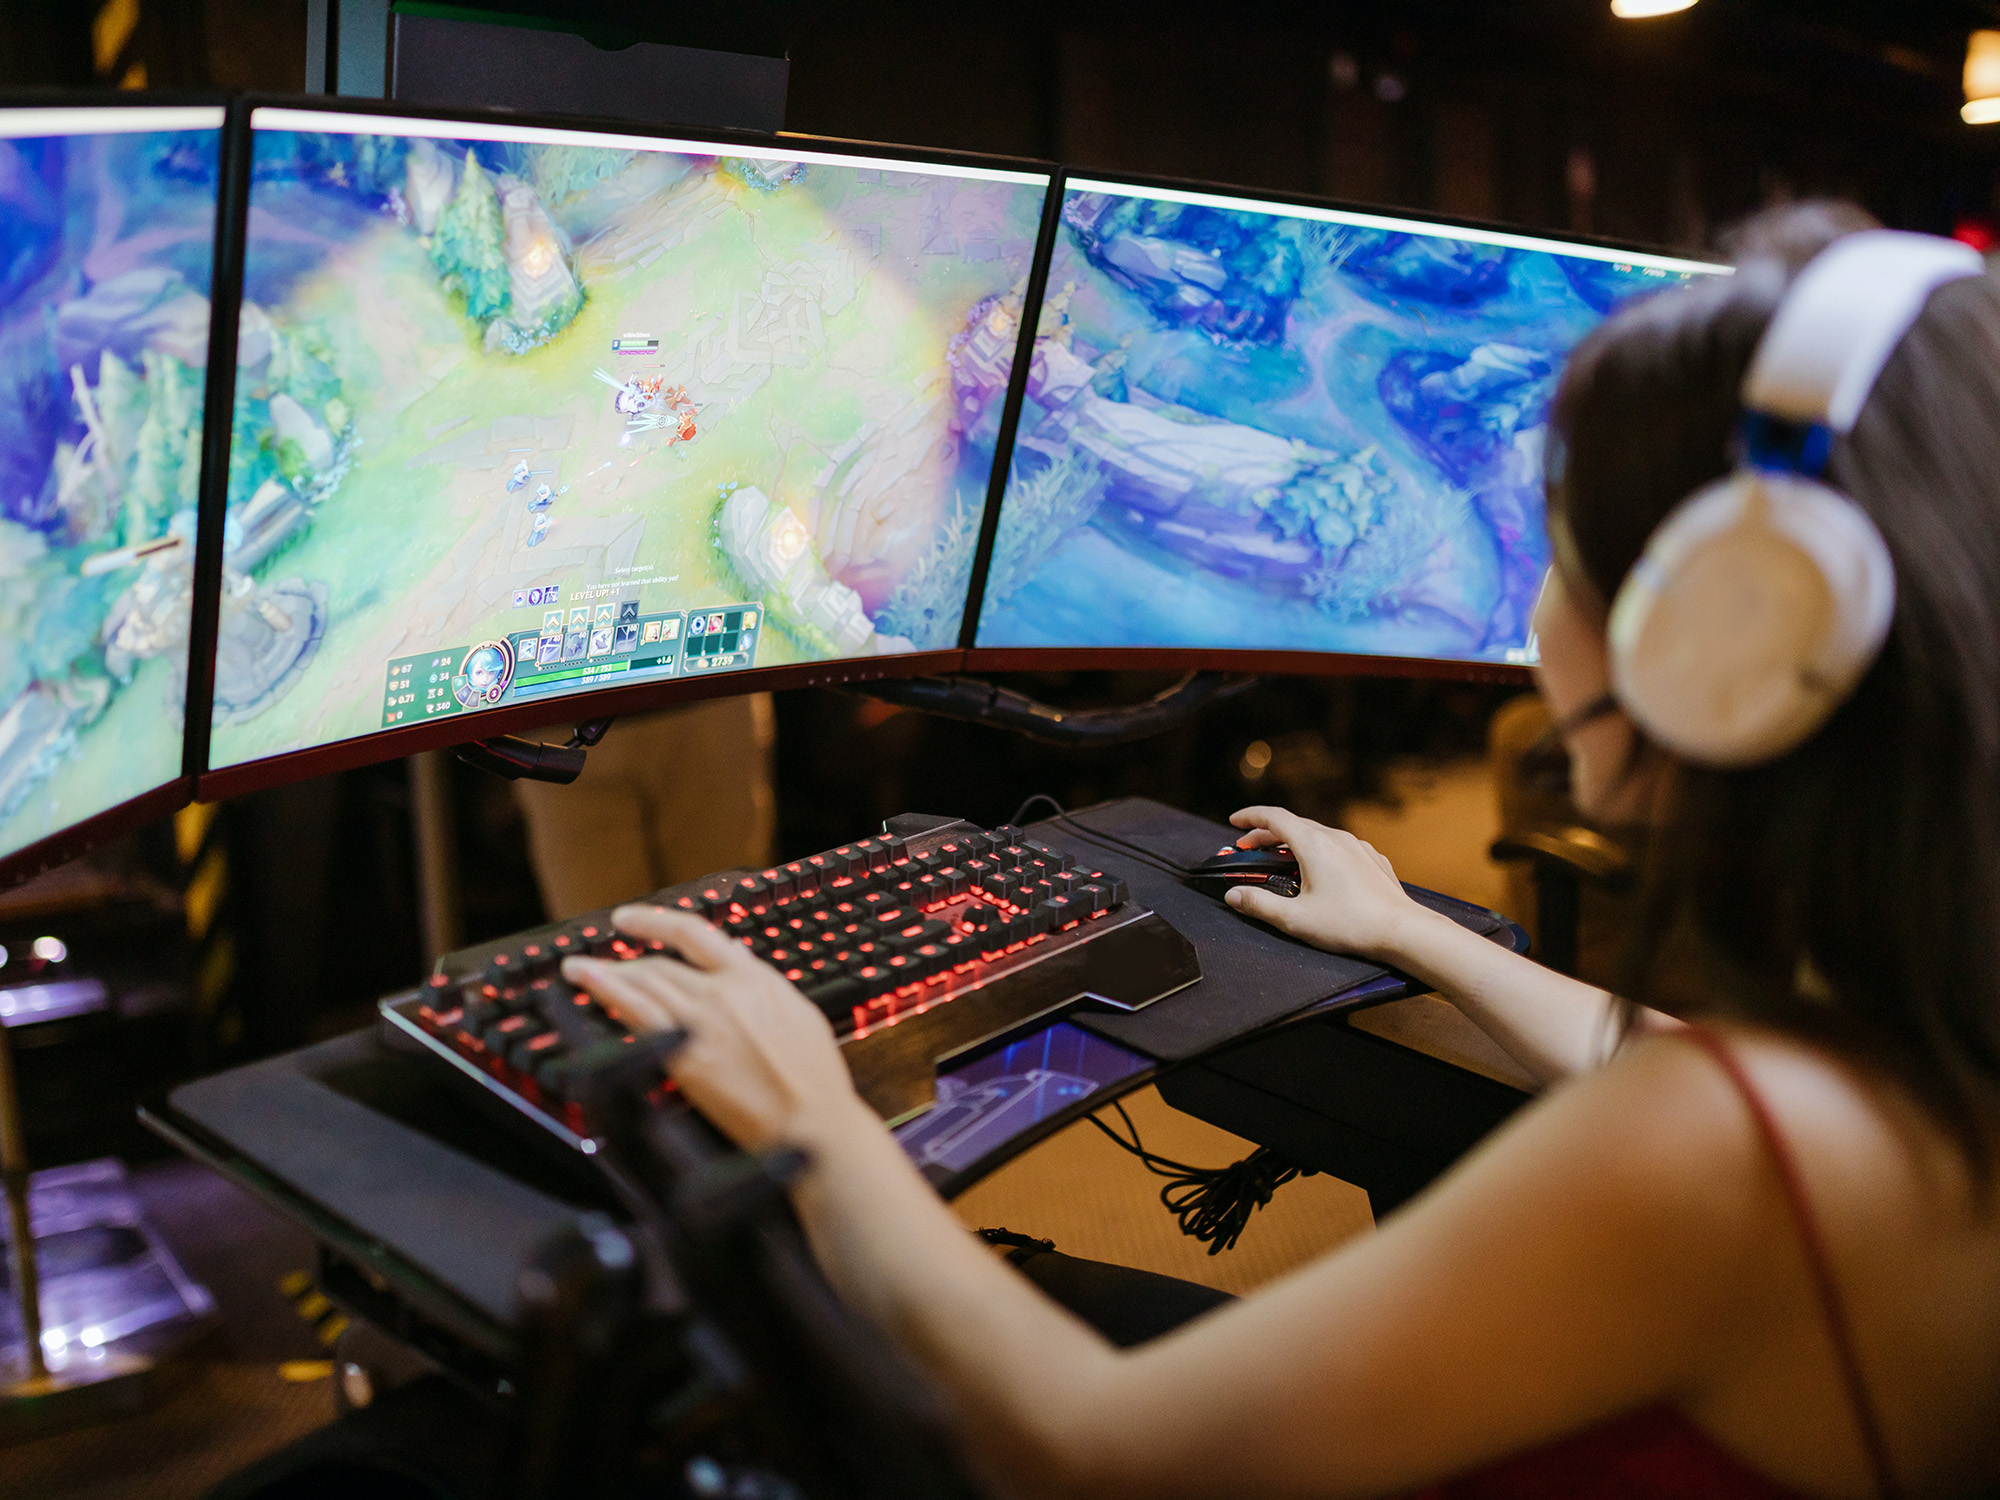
(1260,426)
(107,241)
(522,413)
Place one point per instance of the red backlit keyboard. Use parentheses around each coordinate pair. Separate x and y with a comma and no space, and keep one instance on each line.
(975,931)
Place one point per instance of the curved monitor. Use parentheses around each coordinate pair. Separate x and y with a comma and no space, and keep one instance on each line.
(107,253)
(534,424)
(1294,436)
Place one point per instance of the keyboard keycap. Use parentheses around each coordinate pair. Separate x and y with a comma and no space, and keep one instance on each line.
(525,1054)
(503,1034)
(919,932)
(837,997)
(1051,856)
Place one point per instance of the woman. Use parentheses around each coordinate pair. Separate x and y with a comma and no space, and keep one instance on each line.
(1757,1257)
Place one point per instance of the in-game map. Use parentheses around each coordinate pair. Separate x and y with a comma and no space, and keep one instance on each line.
(107,235)
(1258,426)
(523,416)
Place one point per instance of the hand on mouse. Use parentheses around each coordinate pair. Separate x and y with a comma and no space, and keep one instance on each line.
(1349,899)
(760,1061)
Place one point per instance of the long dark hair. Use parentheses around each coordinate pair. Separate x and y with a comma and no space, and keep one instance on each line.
(1848,892)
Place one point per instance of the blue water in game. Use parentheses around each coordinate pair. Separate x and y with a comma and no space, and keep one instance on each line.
(1259,427)
(107,236)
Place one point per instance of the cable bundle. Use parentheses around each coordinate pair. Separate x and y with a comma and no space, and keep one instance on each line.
(1213,1204)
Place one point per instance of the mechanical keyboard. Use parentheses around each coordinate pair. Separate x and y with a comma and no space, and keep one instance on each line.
(918,944)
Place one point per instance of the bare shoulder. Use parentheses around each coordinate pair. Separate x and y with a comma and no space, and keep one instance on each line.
(1911,1247)
(1672,1133)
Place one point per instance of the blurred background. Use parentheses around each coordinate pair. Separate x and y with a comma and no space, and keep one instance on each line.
(281,918)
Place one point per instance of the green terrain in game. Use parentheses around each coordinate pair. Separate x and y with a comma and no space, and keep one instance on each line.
(806,329)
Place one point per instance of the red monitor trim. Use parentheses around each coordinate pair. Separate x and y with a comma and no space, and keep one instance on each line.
(58,848)
(459,729)
(1268,663)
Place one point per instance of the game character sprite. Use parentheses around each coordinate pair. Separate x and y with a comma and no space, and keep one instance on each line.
(484,675)
(631,397)
(539,530)
(673,408)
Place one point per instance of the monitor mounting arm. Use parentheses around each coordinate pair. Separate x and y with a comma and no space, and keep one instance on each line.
(971,700)
(516,759)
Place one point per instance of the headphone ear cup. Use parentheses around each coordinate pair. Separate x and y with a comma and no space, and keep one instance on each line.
(1757,607)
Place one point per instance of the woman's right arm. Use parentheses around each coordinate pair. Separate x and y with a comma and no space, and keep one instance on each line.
(1350,901)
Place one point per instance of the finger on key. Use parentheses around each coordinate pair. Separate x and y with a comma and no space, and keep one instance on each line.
(626,994)
(692,938)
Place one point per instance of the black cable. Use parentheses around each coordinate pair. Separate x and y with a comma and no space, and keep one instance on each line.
(1091,835)
(1213,1204)
(1021,812)
(1120,846)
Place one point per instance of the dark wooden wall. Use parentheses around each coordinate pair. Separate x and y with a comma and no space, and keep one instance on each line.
(1559,118)
(1544,113)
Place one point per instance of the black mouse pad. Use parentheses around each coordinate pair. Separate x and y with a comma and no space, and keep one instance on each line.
(1252,975)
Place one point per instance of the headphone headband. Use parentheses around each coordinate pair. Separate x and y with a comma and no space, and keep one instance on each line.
(1842,318)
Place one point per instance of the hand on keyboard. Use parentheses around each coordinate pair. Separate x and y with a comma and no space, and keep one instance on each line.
(1349,899)
(875,934)
(760,1062)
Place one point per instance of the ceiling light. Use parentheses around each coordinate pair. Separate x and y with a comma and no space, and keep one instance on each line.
(1645,10)
(1982,79)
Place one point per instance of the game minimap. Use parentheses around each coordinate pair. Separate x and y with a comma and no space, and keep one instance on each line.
(1258,426)
(107,235)
(521,413)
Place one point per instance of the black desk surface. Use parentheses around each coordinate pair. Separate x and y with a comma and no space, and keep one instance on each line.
(1253,975)
(394,1171)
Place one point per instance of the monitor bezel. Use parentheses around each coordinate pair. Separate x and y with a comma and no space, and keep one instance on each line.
(178,790)
(217,782)
(1261,660)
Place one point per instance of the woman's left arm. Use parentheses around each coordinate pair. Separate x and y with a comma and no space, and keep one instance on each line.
(1581,1243)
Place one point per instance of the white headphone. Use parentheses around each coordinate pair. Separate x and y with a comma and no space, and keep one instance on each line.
(1762,599)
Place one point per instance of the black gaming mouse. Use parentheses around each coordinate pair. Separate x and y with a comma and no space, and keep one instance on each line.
(1274,869)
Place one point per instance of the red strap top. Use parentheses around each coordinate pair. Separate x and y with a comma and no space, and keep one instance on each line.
(1658,1453)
